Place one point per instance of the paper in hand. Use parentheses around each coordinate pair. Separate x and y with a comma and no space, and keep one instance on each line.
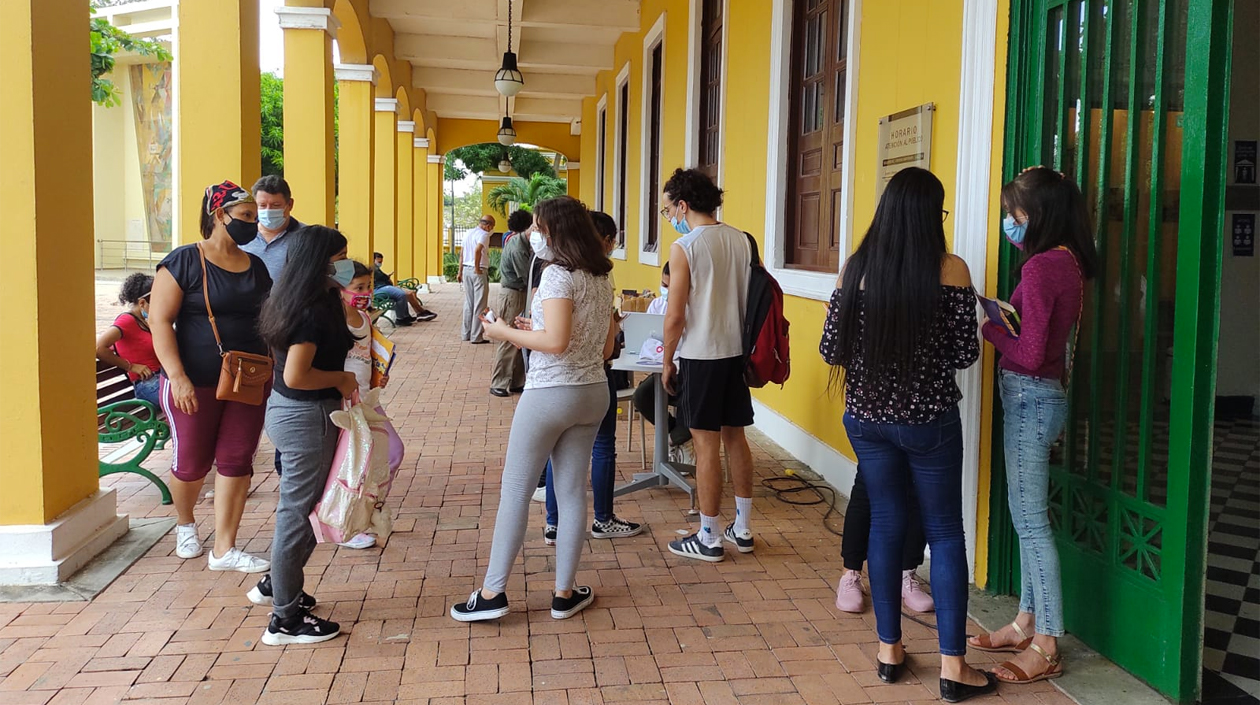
(1000,314)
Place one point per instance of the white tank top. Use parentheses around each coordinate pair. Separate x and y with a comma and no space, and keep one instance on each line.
(718,259)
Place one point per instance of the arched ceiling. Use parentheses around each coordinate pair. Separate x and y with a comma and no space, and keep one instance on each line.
(455,48)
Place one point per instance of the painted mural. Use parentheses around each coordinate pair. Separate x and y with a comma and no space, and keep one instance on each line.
(151,101)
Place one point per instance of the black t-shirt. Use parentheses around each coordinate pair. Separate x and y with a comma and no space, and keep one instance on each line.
(237,299)
(332,342)
(380,278)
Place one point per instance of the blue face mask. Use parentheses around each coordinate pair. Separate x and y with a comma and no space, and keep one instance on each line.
(343,272)
(1014,231)
(680,224)
(144,315)
(271,218)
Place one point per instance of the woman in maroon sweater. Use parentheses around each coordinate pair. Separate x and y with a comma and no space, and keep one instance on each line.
(1047,220)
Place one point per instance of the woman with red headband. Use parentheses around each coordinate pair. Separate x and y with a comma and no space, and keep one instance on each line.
(205,430)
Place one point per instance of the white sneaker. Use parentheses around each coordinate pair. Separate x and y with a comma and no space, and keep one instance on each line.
(187,545)
(684,454)
(360,542)
(240,561)
(540,494)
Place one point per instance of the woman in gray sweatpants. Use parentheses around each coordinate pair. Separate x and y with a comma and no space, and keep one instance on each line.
(570,334)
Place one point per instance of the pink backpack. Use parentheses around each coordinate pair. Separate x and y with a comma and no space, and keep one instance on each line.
(354,496)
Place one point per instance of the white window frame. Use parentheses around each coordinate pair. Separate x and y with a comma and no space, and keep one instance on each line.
(654,36)
(619,169)
(694,46)
(803,283)
(601,144)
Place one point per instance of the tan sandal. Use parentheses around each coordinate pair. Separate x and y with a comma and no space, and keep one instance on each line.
(984,642)
(1054,670)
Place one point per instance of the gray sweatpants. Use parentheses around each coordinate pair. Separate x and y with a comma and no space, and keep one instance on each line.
(476,295)
(559,422)
(306,439)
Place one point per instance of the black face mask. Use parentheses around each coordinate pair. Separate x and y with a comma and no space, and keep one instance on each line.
(243,232)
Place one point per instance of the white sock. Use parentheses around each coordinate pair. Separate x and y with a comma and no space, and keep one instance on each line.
(743,510)
(709,535)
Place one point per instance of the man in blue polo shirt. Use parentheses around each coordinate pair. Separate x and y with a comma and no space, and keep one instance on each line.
(276,226)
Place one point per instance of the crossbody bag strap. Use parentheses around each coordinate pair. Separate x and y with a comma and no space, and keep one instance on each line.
(1076,328)
(205,293)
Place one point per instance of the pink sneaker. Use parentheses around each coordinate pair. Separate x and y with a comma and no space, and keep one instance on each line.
(912,593)
(849,594)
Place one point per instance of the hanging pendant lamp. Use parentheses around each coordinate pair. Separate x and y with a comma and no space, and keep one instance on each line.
(507,133)
(505,165)
(508,80)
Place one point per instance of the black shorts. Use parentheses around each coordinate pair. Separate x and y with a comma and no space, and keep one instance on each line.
(713,394)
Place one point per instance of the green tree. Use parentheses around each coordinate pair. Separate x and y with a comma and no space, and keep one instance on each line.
(480,158)
(272,104)
(526,193)
(107,40)
(467,209)
(272,124)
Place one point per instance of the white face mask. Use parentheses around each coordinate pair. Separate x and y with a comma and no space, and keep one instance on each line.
(538,241)
(664,292)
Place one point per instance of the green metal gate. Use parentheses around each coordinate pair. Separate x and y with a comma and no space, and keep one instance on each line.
(1129,98)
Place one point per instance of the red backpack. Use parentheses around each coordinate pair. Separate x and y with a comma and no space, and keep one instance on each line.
(766,355)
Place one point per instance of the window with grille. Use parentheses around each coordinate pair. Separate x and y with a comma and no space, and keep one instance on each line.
(710,87)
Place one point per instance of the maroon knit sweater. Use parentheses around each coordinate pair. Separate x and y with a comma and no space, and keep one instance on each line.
(1048,300)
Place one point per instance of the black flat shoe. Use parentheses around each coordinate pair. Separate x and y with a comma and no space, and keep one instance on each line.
(891,672)
(499,392)
(517,390)
(955,692)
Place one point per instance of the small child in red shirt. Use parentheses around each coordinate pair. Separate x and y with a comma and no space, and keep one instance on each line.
(128,344)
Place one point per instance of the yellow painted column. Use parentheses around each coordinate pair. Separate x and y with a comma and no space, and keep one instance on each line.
(47,421)
(385,188)
(423,250)
(574,177)
(309,165)
(356,153)
(436,240)
(404,224)
(219,115)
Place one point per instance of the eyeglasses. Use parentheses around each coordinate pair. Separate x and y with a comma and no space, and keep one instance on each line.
(945,215)
(484,222)
(664,211)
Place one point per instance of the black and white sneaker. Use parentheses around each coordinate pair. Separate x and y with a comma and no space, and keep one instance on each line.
(615,529)
(565,607)
(693,547)
(260,594)
(549,535)
(743,540)
(301,628)
(479,608)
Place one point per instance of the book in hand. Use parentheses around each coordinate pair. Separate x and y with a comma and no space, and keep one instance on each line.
(382,356)
(1000,314)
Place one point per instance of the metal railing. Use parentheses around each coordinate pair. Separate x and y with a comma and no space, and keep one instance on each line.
(129,255)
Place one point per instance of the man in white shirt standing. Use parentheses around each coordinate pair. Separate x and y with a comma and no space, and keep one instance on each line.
(474,273)
(704,323)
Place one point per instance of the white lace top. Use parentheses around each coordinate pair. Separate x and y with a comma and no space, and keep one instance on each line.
(583,361)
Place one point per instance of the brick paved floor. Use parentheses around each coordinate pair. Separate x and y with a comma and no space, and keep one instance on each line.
(756,629)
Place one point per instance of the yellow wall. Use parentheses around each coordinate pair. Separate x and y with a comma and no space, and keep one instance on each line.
(909,53)
(117,191)
(47,426)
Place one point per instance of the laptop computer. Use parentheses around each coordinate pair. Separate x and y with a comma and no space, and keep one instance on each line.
(638,327)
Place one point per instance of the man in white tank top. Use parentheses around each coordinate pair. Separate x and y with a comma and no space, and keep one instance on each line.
(704,322)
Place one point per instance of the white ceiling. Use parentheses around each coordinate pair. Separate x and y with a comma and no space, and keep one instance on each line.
(455,47)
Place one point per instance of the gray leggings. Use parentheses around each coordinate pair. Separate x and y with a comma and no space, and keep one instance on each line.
(559,422)
(306,439)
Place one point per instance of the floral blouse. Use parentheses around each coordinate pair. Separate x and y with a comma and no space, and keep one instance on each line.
(953,345)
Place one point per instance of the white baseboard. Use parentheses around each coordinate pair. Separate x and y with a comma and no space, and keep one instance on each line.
(828,462)
(436,281)
(48,554)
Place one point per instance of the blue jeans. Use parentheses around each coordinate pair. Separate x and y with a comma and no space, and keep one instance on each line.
(603,463)
(399,297)
(891,458)
(149,389)
(1034,413)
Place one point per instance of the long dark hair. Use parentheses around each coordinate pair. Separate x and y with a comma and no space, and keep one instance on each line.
(1057,216)
(575,244)
(305,296)
(896,272)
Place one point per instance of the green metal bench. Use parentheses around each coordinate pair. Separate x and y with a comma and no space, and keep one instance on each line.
(381,305)
(121,418)
(410,284)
